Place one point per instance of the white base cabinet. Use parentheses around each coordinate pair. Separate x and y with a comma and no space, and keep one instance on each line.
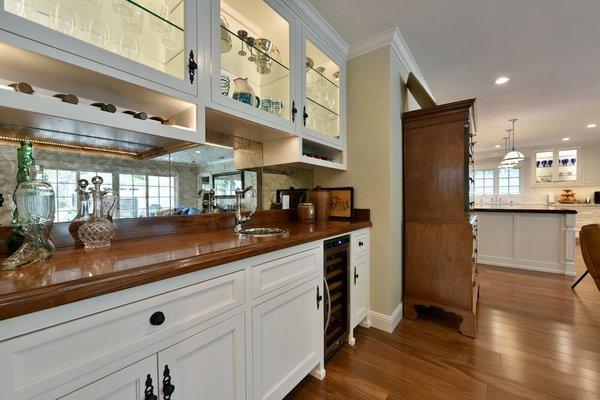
(360,281)
(287,340)
(251,329)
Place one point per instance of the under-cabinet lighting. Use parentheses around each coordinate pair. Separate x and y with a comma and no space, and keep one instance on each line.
(498,146)
(592,125)
(219,145)
(6,87)
(566,139)
(69,146)
(502,80)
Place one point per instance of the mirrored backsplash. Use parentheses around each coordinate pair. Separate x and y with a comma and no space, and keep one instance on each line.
(170,184)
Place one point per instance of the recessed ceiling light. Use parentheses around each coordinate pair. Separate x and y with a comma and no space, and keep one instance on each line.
(502,80)
(197,151)
(566,139)
(498,146)
(592,125)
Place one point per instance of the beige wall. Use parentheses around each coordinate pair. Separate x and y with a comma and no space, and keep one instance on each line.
(375,103)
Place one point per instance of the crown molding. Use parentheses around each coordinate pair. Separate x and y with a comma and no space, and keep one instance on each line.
(392,38)
(319,25)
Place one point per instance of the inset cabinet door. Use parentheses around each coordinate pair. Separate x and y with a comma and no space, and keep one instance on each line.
(287,338)
(208,365)
(253,60)
(323,87)
(359,293)
(136,382)
(153,39)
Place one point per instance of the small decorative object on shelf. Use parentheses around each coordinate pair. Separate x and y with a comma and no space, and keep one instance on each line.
(573,160)
(226,43)
(24,161)
(567,197)
(35,204)
(164,121)
(309,63)
(242,34)
(225,85)
(244,93)
(67,98)
(322,200)
(106,107)
(550,163)
(22,87)
(537,163)
(319,156)
(83,209)
(98,231)
(137,115)
(306,212)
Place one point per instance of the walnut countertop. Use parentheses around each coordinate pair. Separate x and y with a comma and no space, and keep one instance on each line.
(75,274)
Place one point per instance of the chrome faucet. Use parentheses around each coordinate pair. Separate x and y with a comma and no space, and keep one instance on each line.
(211,198)
(239,219)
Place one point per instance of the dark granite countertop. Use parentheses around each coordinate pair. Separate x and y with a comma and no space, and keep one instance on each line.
(525,208)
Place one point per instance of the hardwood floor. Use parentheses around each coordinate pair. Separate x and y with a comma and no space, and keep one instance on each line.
(537,339)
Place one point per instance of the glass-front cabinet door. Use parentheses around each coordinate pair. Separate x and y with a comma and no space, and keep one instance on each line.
(556,166)
(322,116)
(252,57)
(158,34)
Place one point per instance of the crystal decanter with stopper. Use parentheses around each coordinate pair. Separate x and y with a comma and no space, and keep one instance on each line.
(35,206)
(83,208)
(97,232)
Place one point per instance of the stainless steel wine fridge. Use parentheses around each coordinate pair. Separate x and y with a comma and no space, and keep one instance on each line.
(337,285)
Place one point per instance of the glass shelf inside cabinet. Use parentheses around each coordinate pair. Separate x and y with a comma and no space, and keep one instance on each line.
(150,32)
(567,165)
(544,167)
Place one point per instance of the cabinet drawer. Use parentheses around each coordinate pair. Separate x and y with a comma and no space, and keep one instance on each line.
(38,363)
(360,244)
(283,271)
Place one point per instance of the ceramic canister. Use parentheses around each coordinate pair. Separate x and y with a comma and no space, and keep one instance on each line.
(322,200)
(306,212)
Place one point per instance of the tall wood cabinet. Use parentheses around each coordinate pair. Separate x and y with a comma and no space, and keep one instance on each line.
(440,233)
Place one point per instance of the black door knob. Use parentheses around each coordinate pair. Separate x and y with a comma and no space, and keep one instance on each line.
(157,318)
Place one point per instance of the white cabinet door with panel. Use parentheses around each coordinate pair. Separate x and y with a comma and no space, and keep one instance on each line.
(287,339)
(359,292)
(135,382)
(208,365)
(154,40)
(253,61)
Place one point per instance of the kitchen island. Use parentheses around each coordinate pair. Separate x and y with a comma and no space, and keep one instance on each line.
(530,237)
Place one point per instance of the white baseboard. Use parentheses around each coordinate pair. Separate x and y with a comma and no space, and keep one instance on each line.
(566,269)
(386,323)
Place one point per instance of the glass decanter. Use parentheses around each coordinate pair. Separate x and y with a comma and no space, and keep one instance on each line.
(35,205)
(83,208)
(97,232)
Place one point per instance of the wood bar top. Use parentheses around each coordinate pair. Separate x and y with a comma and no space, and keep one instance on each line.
(525,209)
(74,274)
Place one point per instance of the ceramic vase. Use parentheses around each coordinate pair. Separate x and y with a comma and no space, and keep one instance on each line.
(244,93)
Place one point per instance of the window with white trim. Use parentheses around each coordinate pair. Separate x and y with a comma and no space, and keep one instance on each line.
(509,182)
(484,182)
(65,199)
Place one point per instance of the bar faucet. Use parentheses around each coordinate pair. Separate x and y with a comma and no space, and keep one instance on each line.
(239,219)
(211,198)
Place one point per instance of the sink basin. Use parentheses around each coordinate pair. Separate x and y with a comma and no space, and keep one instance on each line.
(263,232)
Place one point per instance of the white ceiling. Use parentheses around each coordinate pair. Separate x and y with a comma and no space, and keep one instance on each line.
(549,48)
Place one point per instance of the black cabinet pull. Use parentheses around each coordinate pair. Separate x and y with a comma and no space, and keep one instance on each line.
(192,66)
(157,318)
(305,115)
(355,275)
(360,243)
(319,297)
(168,387)
(294,111)
(149,389)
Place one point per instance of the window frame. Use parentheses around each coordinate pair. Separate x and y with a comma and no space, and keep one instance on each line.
(496,185)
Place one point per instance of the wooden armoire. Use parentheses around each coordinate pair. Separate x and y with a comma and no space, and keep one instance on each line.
(440,231)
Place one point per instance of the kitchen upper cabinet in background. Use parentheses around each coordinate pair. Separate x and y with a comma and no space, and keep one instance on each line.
(153,39)
(568,166)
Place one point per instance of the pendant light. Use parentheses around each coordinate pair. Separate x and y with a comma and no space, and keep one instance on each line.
(503,164)
(513,157)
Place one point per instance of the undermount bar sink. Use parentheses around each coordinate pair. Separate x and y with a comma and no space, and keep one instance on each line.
(262,232)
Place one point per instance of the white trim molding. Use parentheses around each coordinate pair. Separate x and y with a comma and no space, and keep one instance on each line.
(393,38)
(386,323)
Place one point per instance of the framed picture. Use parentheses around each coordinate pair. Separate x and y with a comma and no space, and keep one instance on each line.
(342,203)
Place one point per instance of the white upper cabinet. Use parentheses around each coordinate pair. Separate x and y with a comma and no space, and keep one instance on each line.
(253,65)
(152,39)
(557,167)
(324,100)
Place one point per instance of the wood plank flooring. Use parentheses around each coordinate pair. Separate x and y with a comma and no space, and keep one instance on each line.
(537,339)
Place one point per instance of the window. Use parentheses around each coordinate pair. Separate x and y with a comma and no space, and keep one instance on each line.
(145,195)
(225,184)
(509,182)
(65,199)
(484,182)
